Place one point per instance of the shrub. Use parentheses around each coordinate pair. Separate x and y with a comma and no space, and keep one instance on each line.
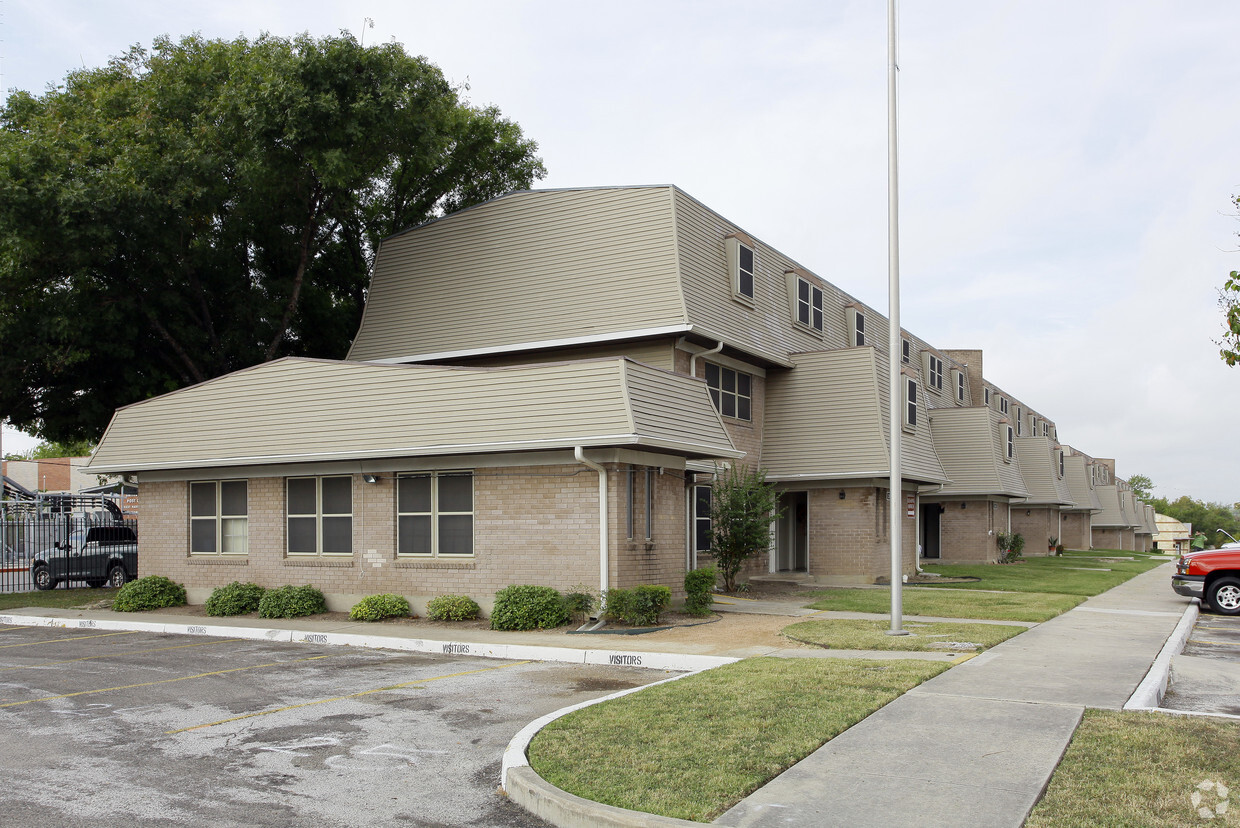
(698,586)
(291,602)
(1010,546)
(452,608)
(378,607)
(579,604)
(742,508)
(640,606)
(528,607)
(235,599)
(151,592)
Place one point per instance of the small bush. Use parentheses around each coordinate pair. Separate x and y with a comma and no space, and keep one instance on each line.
(698,586)
(579,604)
(640,606)
(235,599)
(151,592)
(452,608)
(528,607)
(378,607)
(291,602)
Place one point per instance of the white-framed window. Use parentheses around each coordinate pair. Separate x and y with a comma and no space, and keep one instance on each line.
(960,389)
(742,265)
(934,372)
(809,305)
(1003,405)
(986,396)
(1046,429)
(1018,421)
(320,515)
(910,403)
(1010,452)
(858,328)
(1033,426)
(219,521)
(1061,462)
(701,518)
(435,514)
(906,351)
(731,391)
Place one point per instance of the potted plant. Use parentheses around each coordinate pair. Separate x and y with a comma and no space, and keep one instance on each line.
(1054,544)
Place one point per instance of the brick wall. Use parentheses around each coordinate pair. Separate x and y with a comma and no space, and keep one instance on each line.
(1107,537)
(1075,530)
(849,539)
(968,534)
(1037,527)
(534,525)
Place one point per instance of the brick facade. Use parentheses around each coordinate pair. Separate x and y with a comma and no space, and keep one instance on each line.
(1074,533)
(1037,524)
(967,528)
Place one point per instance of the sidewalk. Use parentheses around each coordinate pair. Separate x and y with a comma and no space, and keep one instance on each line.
(977,745)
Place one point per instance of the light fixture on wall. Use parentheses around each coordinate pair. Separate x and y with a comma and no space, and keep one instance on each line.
(962,505)
(1028,512)
(841,494)
(370,478)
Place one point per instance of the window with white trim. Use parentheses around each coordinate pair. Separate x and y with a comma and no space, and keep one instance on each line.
(742,263)
(435,514)
(1061,463)
(906,351)
(1003,405)
(809,305)
(1046,429)
(731,391)
(858,328)
(219,521)
(1033,426)
(1018,421)
(910,403)
(320,515)
(1011,445)
(934,372)
(701,518)
(960,389)
(986,395)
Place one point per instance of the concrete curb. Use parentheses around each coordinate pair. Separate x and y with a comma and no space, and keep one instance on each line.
(1149,693)
(513,652)
(562,809)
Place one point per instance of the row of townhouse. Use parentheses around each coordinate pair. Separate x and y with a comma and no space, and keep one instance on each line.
(541,390)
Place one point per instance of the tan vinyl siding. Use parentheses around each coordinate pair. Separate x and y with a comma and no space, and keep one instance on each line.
(658,353)
(304,410)
(971,443)
(1076,473)
(1039,468)
(1111,514)
(527,267)
(653,395)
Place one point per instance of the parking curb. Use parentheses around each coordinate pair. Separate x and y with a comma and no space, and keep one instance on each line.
(513,652)
(1149,693)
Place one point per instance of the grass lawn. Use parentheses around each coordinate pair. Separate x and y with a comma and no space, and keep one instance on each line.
(842,634)
(60,598)
(693,748)
(1125,769)
(1067,575)
(945,603)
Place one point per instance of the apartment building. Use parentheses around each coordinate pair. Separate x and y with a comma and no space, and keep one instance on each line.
(540,391)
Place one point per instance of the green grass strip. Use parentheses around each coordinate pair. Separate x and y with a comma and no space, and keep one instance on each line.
(945,603)
(1127,769)
(1066,575)
(58,598)
(926,636)
(691,749)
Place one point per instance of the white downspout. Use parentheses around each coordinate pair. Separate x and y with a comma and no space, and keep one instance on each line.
(603,562)
(693,359)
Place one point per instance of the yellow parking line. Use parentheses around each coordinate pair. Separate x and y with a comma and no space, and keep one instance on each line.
(116,655)
(342,698)
(163,681)
(74,638)
(1219,643)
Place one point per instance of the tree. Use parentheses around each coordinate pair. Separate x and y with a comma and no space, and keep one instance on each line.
(742,509)
(208,205)
(1229,300)
(1142,487)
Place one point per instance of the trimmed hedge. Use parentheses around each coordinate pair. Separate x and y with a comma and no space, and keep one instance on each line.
(151,592)
(528,607)
(378,607)
(235,599)
(699,583)
(452,608)
(291,602)
(641,606)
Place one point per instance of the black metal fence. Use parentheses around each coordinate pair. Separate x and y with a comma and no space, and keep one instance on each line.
(61,541)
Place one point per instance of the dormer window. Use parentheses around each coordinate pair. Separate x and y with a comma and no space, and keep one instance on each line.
(934,372)
(1061,462)
(1011,445)
(906,351)
(856,322)
(809,305)
(960,389)
(1003,405)
(986,396)
(1046,429)
(742,265)
(910,404)
(1018,421)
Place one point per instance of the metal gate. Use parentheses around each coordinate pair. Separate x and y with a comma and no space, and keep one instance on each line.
(51,541)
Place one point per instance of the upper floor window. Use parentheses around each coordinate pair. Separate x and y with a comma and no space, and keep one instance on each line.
(809,304)
(435,514)
(1018,421)
(986,395)
(1033,426)
(960,389)
(219,518)
(741,265)
(910,403)
(906,351)
(1061,463)
(1011,445)
(934,372)
(858,326)
(320,515)
(1046,429)
(1003,405)
(731,391)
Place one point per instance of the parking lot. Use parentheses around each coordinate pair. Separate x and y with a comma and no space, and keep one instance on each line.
(1206,674)
(105,727)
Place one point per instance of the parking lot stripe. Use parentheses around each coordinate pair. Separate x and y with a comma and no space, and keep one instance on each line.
(117,655)
(1215,643)
(73,638)
(342,698)
(163,681)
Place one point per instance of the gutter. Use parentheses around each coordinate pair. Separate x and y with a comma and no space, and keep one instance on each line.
(694,357)
(603,562)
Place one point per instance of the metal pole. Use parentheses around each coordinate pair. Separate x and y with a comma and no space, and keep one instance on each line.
(895,384)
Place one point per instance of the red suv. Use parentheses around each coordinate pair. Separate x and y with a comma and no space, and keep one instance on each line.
(1213,575)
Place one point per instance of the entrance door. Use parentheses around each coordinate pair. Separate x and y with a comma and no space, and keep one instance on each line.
(792,535)
(930,513)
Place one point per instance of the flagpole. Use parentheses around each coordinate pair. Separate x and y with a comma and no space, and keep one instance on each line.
(895,385)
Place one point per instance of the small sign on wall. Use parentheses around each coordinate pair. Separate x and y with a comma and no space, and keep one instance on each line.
(910,506)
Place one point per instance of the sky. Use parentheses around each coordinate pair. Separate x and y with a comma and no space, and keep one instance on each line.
(1066,168)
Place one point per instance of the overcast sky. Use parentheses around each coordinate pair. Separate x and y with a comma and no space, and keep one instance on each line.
(1066,167)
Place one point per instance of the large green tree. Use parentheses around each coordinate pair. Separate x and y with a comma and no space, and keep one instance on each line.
(207,205)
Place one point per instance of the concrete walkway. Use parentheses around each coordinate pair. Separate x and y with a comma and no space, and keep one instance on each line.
(976,746)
